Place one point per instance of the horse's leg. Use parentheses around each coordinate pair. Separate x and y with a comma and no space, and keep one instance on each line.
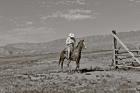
(62,60)
(77,64)
(68,64)
(59,61)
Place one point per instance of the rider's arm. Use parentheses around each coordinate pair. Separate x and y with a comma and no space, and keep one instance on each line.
(73,39)
(67,41)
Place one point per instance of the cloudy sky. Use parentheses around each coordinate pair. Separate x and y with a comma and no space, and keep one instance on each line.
(45,20)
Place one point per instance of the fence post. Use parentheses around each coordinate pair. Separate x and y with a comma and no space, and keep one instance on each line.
(115,50)
(125,47)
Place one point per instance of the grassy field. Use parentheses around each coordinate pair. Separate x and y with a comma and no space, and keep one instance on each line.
(41,74)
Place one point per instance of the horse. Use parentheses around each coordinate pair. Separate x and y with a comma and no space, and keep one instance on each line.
(75,56)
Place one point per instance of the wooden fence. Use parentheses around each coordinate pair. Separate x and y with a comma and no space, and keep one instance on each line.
(123,54)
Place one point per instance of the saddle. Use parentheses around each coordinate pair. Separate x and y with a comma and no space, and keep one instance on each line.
(71,52)
(66,53)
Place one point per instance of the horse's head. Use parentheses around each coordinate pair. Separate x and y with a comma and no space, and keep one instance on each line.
(81,44)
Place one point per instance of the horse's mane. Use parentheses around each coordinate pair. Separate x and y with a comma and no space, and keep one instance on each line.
(78,43)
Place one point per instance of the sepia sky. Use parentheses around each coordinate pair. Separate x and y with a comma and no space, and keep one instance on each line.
(45,20)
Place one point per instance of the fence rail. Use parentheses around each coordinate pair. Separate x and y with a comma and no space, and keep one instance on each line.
(117,53)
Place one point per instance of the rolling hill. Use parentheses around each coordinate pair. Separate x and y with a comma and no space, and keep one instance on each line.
(93,43)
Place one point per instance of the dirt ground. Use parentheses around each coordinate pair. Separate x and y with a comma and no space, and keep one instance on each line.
(41,74)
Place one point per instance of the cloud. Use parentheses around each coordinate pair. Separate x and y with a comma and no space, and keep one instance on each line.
(23,21)
(68,2)
(58,3)
(77,16)
(72,14)
(131,0)
(138,1)
(63,11)
(135,1)
(29,23)
(79,2)
(72,11)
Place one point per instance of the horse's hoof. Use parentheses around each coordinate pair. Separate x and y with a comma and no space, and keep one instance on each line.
(76,70)
(61,70)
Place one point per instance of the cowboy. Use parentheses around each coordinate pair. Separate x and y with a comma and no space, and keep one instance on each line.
(70,43)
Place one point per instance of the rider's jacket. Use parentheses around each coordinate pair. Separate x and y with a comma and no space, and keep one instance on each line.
(70,41)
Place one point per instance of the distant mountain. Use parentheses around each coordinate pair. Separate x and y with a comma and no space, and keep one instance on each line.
(93,43)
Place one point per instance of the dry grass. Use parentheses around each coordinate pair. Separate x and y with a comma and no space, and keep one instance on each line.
(42,76)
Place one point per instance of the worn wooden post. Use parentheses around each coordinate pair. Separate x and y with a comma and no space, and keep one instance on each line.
(125,47)
(115,50)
